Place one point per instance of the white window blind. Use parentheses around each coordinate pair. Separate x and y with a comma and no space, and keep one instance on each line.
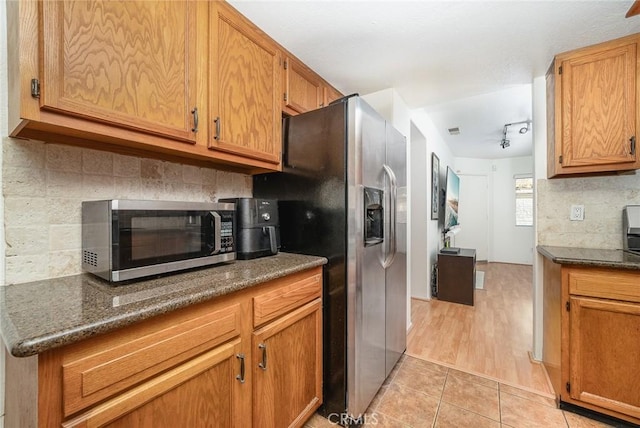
(524,201)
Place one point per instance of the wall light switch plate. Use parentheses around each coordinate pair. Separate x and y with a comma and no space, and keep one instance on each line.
(577,213)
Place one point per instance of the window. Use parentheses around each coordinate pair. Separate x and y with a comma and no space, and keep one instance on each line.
(524,201)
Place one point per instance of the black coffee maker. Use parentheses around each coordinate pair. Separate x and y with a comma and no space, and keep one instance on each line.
(257,227)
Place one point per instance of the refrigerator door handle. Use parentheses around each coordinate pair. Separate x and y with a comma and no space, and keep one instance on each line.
(393,245)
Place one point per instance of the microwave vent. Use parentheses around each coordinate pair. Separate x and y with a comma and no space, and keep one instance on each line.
(90,258)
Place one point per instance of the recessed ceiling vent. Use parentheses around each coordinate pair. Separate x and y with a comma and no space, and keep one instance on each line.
(454,131)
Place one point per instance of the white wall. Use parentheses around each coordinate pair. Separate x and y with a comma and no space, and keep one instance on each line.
(4,94)
(540,172)
(435,144)
(507,243)
(420,213)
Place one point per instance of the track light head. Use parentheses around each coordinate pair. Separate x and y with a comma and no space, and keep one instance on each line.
(505,143)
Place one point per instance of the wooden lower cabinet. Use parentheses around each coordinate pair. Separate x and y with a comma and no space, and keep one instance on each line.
(212,364)
(203,392)
(604,351)
(597,338)
(287,361)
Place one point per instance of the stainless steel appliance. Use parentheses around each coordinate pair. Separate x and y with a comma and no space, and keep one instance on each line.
(258,228)
(342,195)
(127,239)
(631,228)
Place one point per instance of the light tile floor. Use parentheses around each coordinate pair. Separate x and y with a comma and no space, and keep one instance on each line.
(420,393)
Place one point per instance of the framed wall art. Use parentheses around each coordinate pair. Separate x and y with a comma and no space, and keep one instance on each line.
(435,186)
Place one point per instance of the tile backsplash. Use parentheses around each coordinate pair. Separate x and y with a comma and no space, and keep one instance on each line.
(603,199)
(44,185)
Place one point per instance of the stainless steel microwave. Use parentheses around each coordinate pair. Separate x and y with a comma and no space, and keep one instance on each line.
(127,239)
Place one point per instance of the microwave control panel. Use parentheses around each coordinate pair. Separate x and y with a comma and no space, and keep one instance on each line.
(227,231)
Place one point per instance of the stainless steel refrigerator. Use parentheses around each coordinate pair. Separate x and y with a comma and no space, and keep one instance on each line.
(342,195)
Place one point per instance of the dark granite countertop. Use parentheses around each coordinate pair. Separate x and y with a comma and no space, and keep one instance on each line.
(42,315)
(590,257)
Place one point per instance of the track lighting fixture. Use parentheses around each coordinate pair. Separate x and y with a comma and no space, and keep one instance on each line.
(504,143)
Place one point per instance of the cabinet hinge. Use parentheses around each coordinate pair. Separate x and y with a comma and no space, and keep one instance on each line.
(567,306)
(285,96)
(560,158)
(35,88)
(560,70)
(286,64)
(632,141)
(568,386)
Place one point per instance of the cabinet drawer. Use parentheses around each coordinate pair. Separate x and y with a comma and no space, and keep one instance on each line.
(605,284)
(92,376)
(272,304)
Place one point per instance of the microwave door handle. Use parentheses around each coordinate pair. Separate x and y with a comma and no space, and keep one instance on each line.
(217,229)
(393,189)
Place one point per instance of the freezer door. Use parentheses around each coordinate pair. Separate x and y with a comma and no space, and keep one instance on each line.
(366,302)
(396,272)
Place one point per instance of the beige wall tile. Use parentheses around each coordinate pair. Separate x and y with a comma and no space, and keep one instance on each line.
(65,237)
(63,158)
(26,241)
(151,169)
(191,174)
(64,263)
(126,166)
(21,153)
(98,163)
(26,268)
(19,181)
(44,186)
(64,210)
(603,199)
(97,187)
(64,184)
(24,211)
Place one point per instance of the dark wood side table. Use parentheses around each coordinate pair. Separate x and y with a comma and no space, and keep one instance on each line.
(457,276)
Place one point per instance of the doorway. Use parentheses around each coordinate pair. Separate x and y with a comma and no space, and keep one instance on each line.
(474,215)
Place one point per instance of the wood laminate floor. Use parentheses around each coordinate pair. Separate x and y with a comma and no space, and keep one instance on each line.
(493,338)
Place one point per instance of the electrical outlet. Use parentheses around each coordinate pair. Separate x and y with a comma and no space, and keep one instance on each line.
(577,213)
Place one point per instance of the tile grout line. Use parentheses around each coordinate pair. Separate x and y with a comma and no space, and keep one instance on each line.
(435,418)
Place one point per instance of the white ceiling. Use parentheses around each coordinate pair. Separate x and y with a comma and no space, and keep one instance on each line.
(442,54)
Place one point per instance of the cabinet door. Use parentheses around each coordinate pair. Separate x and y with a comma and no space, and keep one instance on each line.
(303,88)
(203,392)
(598,108)
(245,88)
(131,64)
(331,94)
(604,349)
(287,367)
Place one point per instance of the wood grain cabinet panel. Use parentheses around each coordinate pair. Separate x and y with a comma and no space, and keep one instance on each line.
(245,88)
(595,109)
(131,64)
(203,392)
(604,350)
(303,90)
(287,367)
(599,338)
(330,94)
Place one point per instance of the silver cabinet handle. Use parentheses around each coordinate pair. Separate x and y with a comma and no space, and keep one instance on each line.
(217,123)
(263,364)
(194,112)
(240,377)
(393,244)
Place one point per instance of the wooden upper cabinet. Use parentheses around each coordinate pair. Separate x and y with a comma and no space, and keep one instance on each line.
(131,64)
(303,90)
(331,94)
(244,88)
(593,109)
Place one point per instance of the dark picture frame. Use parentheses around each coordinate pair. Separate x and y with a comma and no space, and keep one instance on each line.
(435,186)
